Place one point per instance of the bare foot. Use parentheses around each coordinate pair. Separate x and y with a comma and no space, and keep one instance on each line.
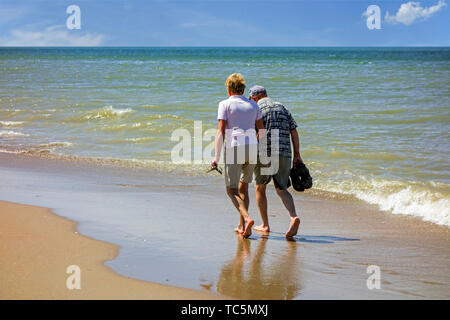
(262,228)
(248,228)
(293,228)
(239,229)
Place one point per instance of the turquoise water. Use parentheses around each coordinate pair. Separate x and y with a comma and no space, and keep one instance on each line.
(373,122)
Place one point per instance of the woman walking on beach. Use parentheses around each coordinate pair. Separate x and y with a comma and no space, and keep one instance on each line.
(238,118)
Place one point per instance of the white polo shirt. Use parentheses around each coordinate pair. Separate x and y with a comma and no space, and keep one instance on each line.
(240,114)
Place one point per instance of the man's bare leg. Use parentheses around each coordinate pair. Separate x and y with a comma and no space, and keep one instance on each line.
(261,201)
(240,206)
(288,202)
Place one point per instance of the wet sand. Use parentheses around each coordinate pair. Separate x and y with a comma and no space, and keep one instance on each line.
(178,230)
(37,247)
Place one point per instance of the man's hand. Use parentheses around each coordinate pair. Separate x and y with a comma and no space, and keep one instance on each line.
(297,160)
(214,162)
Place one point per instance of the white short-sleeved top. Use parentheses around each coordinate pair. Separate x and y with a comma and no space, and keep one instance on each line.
(240,114)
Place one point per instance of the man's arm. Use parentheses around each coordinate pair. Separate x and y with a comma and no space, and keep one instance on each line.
(220,137)
(296,144)
(259,124)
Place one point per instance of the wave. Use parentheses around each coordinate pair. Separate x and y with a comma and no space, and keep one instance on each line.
(11,123)
(56,144)
(133,140)
(136,126)
(43,148)
(187,168)
(427,200)
(408,200)
(10,134)
(105,113)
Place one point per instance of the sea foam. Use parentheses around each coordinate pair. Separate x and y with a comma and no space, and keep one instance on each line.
(10,134)
(106,112)
(430,206)
(11,123)
(426,200)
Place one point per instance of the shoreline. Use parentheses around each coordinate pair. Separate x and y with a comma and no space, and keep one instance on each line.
(393,204)
(183,169)
(37,246)
(134,209)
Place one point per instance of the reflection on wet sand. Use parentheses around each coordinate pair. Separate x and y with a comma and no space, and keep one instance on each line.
(256,275)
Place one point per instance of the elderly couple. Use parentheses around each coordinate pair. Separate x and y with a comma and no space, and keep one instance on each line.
(238,117)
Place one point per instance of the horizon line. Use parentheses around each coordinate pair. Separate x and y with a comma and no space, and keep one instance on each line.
(171,46)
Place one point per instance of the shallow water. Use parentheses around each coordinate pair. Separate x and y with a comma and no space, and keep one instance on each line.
(373,122)
(175,230)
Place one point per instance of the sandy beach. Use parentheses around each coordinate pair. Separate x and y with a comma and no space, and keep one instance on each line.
(38,246)
(163,241)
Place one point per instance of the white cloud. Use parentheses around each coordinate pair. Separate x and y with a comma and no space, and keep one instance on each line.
(57,36)
(188,25)
(409,12)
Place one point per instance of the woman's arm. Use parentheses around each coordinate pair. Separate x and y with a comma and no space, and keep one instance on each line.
(220,137)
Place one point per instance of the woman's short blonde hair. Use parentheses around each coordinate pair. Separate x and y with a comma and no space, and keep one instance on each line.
(235,83)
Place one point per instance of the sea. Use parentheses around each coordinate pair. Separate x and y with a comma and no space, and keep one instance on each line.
(373,121)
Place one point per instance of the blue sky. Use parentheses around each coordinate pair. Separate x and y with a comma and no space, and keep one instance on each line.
(225,23)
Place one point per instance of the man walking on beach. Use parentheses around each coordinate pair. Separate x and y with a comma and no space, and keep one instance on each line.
(277,119)
(238,118)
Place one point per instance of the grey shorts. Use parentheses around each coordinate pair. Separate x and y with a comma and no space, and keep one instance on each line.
(239,167)
(280,177)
